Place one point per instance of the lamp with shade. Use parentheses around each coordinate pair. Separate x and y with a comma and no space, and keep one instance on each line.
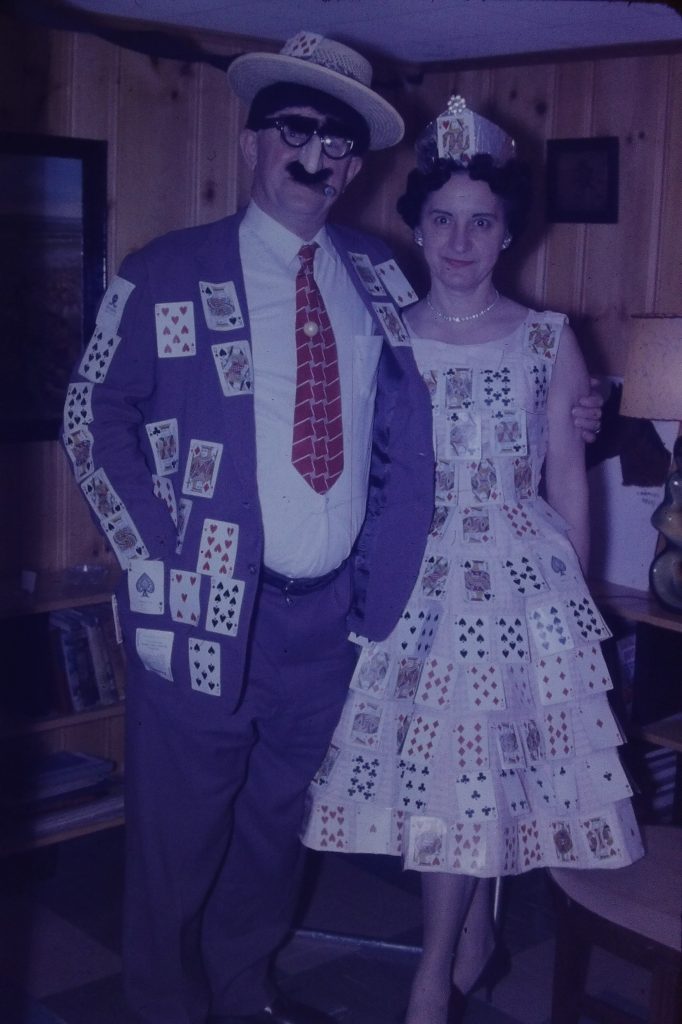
(652,389)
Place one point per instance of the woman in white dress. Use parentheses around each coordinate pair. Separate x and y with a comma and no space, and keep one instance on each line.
(477,739)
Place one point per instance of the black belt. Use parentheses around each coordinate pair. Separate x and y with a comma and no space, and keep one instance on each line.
(289,585)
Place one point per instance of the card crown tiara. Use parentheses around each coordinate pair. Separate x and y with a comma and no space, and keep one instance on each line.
(459,134)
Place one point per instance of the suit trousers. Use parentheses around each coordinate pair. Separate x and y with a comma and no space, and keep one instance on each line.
(214,803)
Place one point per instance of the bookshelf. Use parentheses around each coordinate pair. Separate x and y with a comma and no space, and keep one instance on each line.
(640,606)
(31,743)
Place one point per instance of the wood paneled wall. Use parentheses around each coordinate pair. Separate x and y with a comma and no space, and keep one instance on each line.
(172,131)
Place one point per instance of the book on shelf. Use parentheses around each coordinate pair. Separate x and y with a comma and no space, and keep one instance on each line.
(49,782)
(89,669)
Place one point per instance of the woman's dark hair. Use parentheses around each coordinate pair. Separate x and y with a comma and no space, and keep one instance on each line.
(511,182)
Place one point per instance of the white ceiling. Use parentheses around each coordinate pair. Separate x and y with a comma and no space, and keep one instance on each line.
(419,30)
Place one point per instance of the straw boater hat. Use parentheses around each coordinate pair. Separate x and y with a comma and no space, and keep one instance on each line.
(310,59)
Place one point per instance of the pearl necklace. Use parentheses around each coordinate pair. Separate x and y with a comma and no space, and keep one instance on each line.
(453,319)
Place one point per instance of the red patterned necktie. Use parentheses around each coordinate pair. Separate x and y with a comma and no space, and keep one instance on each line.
(317,448)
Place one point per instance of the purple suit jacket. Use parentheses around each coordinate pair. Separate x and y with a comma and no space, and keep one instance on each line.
(122,393)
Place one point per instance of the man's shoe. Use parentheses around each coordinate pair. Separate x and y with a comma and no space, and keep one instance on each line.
(281,1010)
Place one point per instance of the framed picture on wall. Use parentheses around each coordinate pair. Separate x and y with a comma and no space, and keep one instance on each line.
(53,209)
(582,180)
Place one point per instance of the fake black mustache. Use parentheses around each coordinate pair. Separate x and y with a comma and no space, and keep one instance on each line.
(316,180)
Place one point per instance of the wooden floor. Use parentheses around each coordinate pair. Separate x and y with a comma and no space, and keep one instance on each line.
(353,954)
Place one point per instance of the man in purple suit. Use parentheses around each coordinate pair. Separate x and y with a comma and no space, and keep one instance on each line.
(260,459)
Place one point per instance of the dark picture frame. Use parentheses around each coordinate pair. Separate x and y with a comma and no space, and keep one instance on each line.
(53,219)
(582,180)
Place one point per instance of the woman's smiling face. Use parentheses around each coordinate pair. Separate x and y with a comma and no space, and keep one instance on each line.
(463,226)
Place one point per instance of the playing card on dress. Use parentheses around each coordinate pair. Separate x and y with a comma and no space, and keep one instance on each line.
(558,729)
(77,407)
(218,548)
(446,483)
(543,338)
(155,648)
(509,746)
(371,671)
(415,782)
(184,596)
(363,773)
(467,847)
(549,628)
(476,526)
(434,575)
(485,687)
(565,787)
(497,391)
(204,666)
(470,744)
(391,323)
(464,434)
(480,482)
(594,675)
(98,354)
(221,306)
(540,787)
(530,845)
(233,364)
(564,842)
(325,826)
(175,333)
(437,677)
(525,575)
(459,388)
(396,283)
(607,779)
(416,629)
(422,737)
(600,726)
(365,270)
(540,377)
(439,522)
(407,678)
(476,796)
(201,470)
(476,580)
(600,832)
(224,605)
(587,622)
(512,638)
(373,828)
(163,439)
(146,586)
(79,448)
(514,792)
(470,636)
(554,677)
(532,740)
(426,844)
(364,722)
(323,773)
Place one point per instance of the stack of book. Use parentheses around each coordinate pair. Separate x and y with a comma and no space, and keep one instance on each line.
(88,662)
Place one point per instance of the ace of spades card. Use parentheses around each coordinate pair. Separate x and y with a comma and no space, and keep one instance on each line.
(224,606)
(204,666)
(146,586)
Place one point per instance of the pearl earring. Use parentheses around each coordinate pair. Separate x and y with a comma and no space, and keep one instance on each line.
(419,238)
(506,242)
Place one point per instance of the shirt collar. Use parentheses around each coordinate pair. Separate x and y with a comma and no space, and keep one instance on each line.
(280,240)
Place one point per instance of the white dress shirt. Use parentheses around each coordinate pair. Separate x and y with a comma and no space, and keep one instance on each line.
(306,534)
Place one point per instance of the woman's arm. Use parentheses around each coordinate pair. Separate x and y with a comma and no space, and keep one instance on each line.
(565,475)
